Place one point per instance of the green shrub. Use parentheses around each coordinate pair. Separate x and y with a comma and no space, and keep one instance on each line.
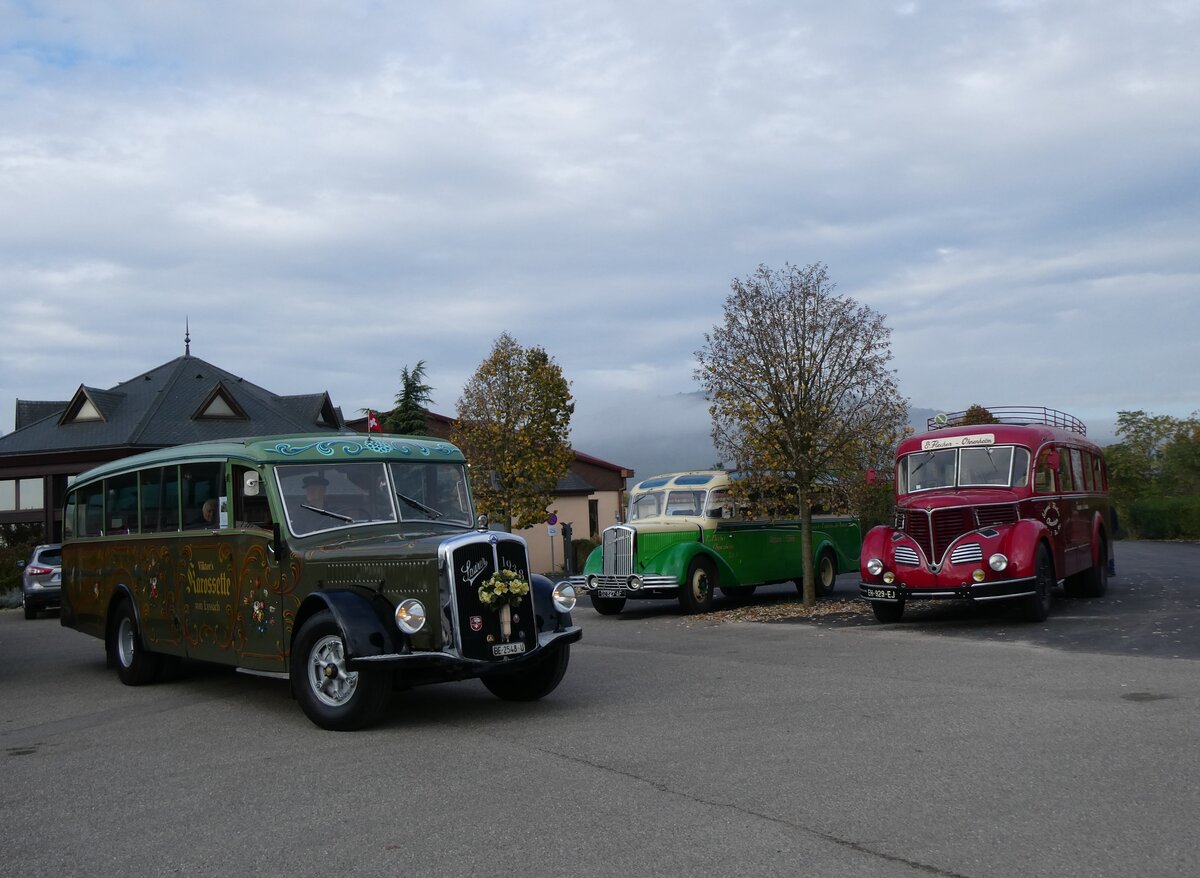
(1165,518)
(580,549)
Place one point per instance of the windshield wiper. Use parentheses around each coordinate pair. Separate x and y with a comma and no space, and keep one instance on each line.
(917,469)
(336,515)
(428,510)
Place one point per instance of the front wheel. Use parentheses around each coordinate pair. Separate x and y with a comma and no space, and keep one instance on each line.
(1037,605)
(533,682)
(136,665)
(330,695)
(696,593)
(887,612)
(607,606)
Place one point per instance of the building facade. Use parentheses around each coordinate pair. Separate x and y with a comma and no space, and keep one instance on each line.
(184,400)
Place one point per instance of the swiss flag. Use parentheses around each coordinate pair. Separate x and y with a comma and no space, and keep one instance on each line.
(373,423)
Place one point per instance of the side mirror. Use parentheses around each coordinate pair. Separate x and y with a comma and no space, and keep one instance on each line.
(251,486)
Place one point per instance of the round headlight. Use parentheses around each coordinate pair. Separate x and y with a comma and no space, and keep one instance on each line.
(592,581)
(564,597)
(998,562)
(410,616)
(978,575)
(634,582)
(874,566)
(889,577)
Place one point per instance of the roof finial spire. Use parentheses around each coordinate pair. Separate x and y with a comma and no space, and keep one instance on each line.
(187,337)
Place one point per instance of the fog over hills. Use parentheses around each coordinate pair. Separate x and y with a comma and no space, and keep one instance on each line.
(660,433)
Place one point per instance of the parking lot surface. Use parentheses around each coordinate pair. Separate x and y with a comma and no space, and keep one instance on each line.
(956,745)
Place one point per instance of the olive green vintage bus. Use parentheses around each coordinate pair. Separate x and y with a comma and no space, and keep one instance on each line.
(684,537)
(349,564)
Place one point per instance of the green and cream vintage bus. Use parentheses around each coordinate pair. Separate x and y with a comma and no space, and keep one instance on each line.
(348,564)
(684,536)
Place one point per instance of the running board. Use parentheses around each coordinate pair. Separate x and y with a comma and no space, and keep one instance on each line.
(275,675)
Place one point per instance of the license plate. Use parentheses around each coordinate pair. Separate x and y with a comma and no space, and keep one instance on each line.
(609,593)
(508,648)
(885,593)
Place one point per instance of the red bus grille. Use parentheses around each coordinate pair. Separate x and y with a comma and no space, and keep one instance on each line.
(1001,513)
(935,536)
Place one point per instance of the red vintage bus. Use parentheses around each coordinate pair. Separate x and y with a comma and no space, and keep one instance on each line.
(1000,511)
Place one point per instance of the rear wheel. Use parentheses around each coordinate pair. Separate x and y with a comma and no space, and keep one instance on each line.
(1037,605)
(826,574)
(607,606)
(696,593)
(534,682)
(330,694)
(30,611)
(887,612)
(136,665)
(1095,581)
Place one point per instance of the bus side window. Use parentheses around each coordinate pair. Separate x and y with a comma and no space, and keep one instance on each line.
(1044,479)
(1064,470)
(1098,474)
(121,506)
(250,506)
(1076,470)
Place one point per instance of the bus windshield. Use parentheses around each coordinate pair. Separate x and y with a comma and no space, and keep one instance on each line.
(1004,466)
(673,502)
(320,497)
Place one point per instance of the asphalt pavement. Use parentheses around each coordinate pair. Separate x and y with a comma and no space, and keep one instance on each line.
(953,745)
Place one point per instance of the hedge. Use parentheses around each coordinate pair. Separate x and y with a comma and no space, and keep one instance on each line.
(1166,518)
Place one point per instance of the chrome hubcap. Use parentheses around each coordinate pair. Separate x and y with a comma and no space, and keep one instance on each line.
(327,675)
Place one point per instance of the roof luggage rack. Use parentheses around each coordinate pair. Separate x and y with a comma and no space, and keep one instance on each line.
(1011,414)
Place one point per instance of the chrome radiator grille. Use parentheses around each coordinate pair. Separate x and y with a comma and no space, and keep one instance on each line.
(618,551)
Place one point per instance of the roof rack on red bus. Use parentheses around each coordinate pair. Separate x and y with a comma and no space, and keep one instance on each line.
(1010,414)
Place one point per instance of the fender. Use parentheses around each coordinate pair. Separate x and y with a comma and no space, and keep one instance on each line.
(676,560)
(876,544)
(549,618)
(120,592)
(1023,539)
(1099,532)
(594,562)
(365,620)
(822,539)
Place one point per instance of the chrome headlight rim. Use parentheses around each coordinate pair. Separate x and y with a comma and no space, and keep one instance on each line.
(998,562)
(634,582)
(874,566)
(410,616)
(592,582)
(564,597)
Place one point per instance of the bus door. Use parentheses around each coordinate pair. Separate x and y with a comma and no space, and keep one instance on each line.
(158,490)
(207,594)
(259,642)
(1077,513)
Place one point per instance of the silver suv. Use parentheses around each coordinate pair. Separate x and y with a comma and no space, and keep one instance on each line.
(41,579)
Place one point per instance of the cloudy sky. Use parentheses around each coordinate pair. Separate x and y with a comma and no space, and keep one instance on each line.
(329,191)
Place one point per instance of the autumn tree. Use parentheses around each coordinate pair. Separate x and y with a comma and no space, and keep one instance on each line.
(513,425)
(977,414)
(408,416)
(800,392)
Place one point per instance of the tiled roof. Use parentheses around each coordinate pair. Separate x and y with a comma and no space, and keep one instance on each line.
(158,408)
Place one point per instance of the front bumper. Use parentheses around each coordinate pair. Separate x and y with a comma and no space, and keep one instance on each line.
(996,590)
(456,665)
(651,586)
